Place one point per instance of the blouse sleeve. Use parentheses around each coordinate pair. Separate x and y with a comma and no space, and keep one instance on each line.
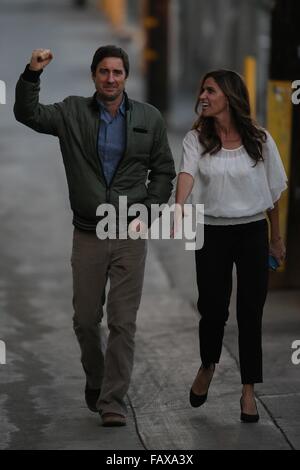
(275,171)
(190,155)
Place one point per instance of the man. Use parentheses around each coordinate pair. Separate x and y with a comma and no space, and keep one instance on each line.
(111,146)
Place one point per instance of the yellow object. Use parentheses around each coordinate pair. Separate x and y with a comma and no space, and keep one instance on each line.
(151,22)
(279,124)
(115,10)
(250,79)
(150,55)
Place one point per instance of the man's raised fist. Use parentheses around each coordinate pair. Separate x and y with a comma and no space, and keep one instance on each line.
(40,58)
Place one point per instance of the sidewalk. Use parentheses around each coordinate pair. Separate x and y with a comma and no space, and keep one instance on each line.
(41,400)
(167,360)
(216,425)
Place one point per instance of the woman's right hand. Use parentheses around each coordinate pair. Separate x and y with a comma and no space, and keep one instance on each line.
(184,187)
(178,216)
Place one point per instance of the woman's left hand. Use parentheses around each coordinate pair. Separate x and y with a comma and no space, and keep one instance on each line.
(277,249)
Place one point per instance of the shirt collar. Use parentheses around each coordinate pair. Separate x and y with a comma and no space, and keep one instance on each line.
(121,109)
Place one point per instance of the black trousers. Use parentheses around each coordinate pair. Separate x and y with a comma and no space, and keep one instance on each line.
(247,246)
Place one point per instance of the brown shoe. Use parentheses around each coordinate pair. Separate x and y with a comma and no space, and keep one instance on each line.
(113,419)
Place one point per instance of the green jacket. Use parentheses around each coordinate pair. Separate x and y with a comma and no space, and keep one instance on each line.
(145,172)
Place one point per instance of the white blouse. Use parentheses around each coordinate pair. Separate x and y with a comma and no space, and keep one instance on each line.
(232,188)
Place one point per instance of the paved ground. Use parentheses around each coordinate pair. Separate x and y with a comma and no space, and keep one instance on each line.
(41,386)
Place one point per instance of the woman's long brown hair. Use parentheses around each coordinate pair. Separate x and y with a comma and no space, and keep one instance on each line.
(234,88)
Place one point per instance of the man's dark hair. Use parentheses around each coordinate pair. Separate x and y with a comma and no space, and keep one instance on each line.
(110,51)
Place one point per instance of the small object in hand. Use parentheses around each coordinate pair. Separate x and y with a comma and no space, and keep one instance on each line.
(273,263)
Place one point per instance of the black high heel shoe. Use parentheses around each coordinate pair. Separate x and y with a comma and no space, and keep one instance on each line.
(198,400)
(246,418)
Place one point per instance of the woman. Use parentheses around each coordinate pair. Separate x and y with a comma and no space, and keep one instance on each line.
(234,169)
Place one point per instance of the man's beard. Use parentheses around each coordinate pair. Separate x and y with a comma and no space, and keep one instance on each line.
(105,97)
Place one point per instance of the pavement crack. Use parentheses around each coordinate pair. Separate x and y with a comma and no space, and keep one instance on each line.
(276,424)
(139,435)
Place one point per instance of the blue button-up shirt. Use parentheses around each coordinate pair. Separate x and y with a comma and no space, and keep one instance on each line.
(111,139)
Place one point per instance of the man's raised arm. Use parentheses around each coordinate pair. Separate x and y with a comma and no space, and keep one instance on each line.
(27,109)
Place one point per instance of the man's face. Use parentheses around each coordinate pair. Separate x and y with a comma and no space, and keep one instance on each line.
(110,78)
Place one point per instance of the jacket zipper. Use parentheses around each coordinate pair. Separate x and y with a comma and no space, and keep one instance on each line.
(99,157)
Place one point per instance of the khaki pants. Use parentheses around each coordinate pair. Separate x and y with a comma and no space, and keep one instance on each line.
(93,262)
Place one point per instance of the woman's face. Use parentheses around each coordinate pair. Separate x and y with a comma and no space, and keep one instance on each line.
(212,99)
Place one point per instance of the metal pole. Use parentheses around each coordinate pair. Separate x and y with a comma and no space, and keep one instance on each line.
(250,79)
(156,15)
